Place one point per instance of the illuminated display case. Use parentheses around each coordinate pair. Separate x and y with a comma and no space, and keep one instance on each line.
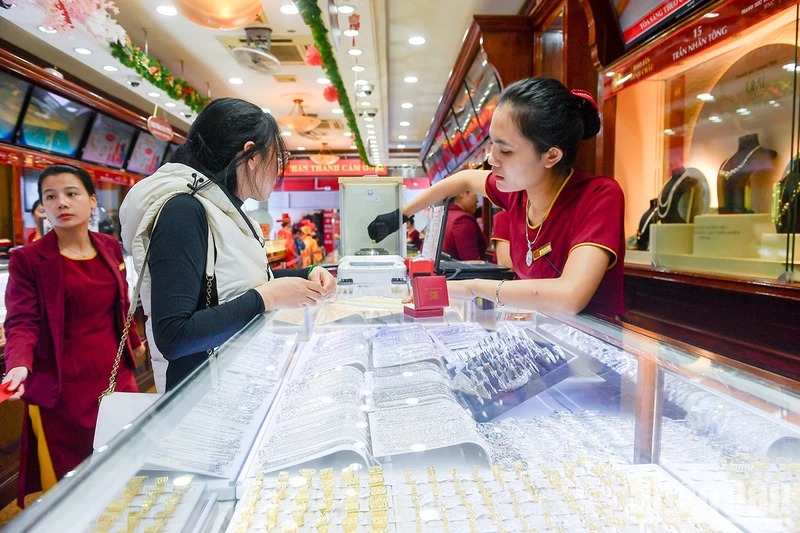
(706,119)
(347,417)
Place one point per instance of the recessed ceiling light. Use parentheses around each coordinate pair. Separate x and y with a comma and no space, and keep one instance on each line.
(411,79)
(301,148)
(705,97)
(711,15)
(357,68)
(405,123)
(153,94)
(361,82)
(345,9)
(417,40)
(266,110)
(347,134)
(167,10)
(337,111)
(286,133)
(715,118)
(407,105)
(169,104)
(349,32)
(353,147)
(289,9)
(72,109)
(401,146)
(47,29)
(610,74)
(235,81)
(402,137)
(368,119)
(370,126)
(83,51)
(365,104)
(323,81)
(355,51)
(110,68)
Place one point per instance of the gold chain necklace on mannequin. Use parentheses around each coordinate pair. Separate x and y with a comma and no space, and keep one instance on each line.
(726,174)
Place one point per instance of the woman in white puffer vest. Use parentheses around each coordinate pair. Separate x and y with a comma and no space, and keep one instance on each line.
(189,213)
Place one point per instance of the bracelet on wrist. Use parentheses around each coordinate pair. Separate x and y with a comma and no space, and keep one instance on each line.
(497,293)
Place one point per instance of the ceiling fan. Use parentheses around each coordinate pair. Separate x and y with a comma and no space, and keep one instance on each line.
(256,55)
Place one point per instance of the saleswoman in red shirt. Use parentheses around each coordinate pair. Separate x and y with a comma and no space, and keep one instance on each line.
(66,302)
(567,237)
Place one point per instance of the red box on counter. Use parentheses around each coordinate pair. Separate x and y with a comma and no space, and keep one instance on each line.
(430,297)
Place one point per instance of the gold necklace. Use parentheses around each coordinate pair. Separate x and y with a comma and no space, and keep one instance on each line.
(82,255)
(726,174)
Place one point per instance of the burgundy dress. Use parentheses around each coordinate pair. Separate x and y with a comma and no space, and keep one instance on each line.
(91,340)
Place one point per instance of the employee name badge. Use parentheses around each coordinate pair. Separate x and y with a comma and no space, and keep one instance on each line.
(543,251)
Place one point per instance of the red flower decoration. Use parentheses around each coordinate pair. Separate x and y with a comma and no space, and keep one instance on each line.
(330,93)
(313,56)
(152,70)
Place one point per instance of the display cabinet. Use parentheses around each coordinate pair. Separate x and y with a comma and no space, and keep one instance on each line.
(350,417)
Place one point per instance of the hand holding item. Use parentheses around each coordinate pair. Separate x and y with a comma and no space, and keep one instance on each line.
(289,292)
(384,225)
(14,378)
(325,280)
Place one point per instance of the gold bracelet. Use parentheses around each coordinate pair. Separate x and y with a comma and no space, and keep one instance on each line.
(497,293)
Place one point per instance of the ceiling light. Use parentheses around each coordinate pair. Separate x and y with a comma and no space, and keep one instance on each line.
(289,9)
(610,74)
(361,82)
(368,119)
(301,148)
(83,51)
(402,137)
(266,110)
(323,81)
(669,131)
(72,109)
(411,79)
(235,81)
(357,68)
(401,146)
(407,105)
(169,104)
(705,97)
(325,157)
(337,111)
(370,126)
(743,111)
(353,146)
(110,68)
(365,104)
(347,134)
(47,29)
(350,32)
(417,40)
(715,118)
(153,94)
(355,51)
(345,9)
(405,123)
(711,15)
(286,134)
(297,119)
(167,10)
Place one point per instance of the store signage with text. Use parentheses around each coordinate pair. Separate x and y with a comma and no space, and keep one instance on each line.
(733,17)
(343,167)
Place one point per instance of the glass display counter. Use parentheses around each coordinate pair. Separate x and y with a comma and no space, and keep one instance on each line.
(350,417)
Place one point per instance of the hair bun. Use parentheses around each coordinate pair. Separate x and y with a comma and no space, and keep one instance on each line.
(589,111)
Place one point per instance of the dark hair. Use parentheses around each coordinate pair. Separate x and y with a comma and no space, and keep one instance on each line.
(410,219)
(549,115)
(220,132)
(78,172)
(36,204)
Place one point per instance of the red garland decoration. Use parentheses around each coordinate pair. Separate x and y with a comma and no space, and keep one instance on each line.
(313,56)
(330,93)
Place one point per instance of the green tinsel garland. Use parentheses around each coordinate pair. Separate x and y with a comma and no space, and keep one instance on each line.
(312,16)
(156,73)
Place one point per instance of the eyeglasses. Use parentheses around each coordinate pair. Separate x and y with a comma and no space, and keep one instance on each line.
(283,160)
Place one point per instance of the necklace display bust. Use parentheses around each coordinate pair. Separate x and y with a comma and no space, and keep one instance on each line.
(735,181)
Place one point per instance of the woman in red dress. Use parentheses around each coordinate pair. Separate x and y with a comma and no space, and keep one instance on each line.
(566,239)
(66,302)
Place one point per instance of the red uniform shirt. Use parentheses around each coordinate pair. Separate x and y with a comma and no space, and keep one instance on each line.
(463,238)
(500,227)
(588,210)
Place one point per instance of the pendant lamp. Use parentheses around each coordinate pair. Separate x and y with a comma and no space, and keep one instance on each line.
(219,14)
(297,120)
(325,157)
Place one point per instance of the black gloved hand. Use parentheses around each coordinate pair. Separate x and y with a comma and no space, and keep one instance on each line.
(384,225)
